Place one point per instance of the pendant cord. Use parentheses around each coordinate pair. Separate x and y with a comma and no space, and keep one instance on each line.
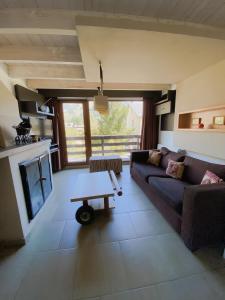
(101,77)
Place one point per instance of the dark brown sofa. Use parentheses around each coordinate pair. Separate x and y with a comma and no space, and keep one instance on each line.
(196,212)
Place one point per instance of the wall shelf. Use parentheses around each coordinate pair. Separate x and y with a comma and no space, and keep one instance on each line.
(189,121)
(32,108)
(201,130)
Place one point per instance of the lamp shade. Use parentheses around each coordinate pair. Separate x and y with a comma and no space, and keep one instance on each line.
(101,104)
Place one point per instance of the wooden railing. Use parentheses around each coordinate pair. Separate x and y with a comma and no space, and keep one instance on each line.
(104,144)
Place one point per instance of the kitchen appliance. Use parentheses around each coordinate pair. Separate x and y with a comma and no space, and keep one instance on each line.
(23,132)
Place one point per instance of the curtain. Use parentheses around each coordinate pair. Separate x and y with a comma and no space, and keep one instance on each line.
(150,126)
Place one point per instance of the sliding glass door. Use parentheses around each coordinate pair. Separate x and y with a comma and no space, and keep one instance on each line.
(87,133)
(119,131)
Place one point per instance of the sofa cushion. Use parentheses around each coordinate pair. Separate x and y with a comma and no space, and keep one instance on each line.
(210,178)
(195,170)
(154,157)
(164,150)
(146,170)
(171,190)
(175,169)
(170,156)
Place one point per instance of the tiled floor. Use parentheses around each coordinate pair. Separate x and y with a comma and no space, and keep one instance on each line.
(131,254)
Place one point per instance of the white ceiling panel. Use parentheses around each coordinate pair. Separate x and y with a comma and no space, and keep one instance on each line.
(206,12)
(134,56)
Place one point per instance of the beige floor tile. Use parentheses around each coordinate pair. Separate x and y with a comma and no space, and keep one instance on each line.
(143,264)
(158,258)
(149,223)
(6,297)
(13,267)
(50,277)
(148,293)
(194,288)
(130,188)
(134,202)
(46,237)
(178,257)
(124,178)
(115,227)
(75,235)
(211,257)
(216,280)
(65,211)
(104,269)
(127,295)
(92,298)
(100,271)
(140,202)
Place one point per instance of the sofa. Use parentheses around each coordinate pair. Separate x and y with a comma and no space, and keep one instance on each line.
(195,211)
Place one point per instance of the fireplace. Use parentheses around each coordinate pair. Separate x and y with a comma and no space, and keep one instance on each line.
(37,183)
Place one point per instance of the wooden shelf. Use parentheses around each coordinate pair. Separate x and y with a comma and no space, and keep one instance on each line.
(202,129)
(206,116)
(32,108)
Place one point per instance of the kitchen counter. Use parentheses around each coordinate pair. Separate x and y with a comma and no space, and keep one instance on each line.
(9,151)
(15,224)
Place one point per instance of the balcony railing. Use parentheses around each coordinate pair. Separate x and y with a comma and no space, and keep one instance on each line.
(103,145)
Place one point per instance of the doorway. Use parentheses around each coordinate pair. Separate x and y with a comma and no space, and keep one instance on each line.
(86,132)
(76,128)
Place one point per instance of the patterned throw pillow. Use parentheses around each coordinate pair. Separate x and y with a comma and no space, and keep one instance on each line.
(175,169)
(154,157)
(210,178)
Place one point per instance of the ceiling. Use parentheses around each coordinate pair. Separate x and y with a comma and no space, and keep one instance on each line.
(145,56)
(208,12)
(144,44)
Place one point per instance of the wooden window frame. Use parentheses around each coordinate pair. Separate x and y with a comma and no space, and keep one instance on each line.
(87,133)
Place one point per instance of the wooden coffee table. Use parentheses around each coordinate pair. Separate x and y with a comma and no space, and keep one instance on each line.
(89,187)
(105,163)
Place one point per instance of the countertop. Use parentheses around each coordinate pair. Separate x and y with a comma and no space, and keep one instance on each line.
(9,151)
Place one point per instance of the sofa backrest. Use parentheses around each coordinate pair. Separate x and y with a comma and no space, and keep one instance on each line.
(195,169)
(167,155)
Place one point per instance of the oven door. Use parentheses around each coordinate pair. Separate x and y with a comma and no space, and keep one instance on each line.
(30,174)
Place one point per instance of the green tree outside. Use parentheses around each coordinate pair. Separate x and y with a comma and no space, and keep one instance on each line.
(114,123)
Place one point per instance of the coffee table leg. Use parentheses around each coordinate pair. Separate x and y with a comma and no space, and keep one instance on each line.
(106,203)
(85,203)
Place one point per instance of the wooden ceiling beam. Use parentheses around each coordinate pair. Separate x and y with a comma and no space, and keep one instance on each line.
(74,84)
(78,93)
(23,54)
(39,31)
(37,22)
(26,71)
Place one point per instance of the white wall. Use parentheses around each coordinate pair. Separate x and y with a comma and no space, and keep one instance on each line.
(204,89)
(166,139)
(9,112)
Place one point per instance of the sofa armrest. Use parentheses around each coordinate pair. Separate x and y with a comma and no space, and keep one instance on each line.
(203,215)
(139,156)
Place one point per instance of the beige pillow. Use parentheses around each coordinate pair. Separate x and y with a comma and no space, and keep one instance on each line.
(154,157)
(175,169)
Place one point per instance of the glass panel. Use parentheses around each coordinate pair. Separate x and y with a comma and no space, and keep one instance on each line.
(119,131)
(74,130)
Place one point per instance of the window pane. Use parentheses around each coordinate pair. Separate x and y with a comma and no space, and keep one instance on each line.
(74,129)
(119,131)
